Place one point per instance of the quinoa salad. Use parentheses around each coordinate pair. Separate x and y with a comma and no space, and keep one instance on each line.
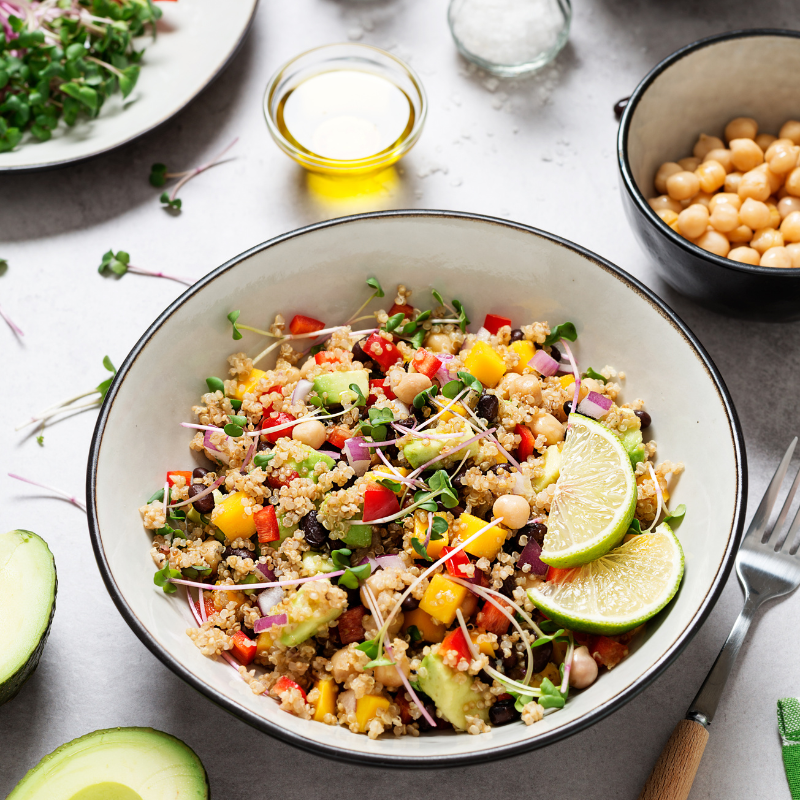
(384,531)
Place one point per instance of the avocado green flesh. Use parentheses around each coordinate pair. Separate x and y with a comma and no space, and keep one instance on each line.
(443,685)
(358,536)
(420,451)
(117,764)
(332,385)
(305,467)
(634,447)
(301,605)
(27,604)
(551,471)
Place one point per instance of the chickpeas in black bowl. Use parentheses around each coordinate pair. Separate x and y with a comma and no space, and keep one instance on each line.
(698,91)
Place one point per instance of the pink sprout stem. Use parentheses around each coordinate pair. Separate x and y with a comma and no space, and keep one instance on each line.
(659,499)
(194,499)
(575,372)
(71,498)
(11,324)
(430,530)
(568,664)
(421,469)
(140,271)
(231,588)
(187,176)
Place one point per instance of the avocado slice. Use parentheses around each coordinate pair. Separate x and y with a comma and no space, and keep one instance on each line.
(305,467)
(27,604)
(117,764)
(450,691)
(551,469)
(307,615)
(634,447)
(314,563)
(421,451)
(334,387)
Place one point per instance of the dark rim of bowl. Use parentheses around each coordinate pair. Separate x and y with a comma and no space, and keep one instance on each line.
(625,168)
(491,753)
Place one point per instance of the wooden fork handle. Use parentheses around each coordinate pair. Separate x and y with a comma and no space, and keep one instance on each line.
(673,775)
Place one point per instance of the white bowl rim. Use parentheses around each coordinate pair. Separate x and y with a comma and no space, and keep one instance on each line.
(504,751)
(626,172)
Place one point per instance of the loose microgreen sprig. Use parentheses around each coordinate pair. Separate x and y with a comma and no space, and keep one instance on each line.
(566,330)
(465,381)
(422,398)
(457,308)
(68,405)
(119,263)
(373,283)
(590,373)
(376,426)
(352,575)
(164,576)
(236,426)
(678,514)
(60,492)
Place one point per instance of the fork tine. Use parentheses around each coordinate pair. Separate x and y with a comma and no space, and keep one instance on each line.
(761,517)
(786,545)
(784,513)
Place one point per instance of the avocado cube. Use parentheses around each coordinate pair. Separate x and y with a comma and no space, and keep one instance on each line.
(450,690)
(334,387)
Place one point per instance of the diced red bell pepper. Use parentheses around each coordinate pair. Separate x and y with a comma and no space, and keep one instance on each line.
(493,323)
(379,384)
(282,478)
(183,473)
(455,641)
(426,363)
(381,351)
(526,447)
(208,602)
(607,652)
(302,324)
(273,420)
(327,357)
(244,648)
(270,391)
(379,502)
(351,627)
(558,575)
(338,435)
(456,562)
(406,310)
(283,684)
(266,522)
(492,619)
(404,706)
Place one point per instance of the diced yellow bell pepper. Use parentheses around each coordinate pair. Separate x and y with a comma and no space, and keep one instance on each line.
(434,548)
(263,643)
(229,516)
(221,599)
(488,544)
(487,648)
(249,384)
(569,380)
(566,381)
(430,629)
(367,708)
(442,598)
(454,409)
(326,703)
(525,350)
(485,364)
(381,472)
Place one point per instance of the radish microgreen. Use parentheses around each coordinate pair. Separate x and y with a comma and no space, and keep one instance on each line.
(376,427)
(422,398)
(168,202)
(164,576)
(232,317)
(452,389)
(119,263)
(263,459)
(566,330)
(360,399)
(678,514)
(590,373)
(60,492)
(215,384)
(414,634)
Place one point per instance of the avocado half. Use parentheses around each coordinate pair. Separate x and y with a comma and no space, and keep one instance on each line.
(27,604)
(117,764)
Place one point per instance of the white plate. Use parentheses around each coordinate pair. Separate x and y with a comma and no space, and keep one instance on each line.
(196,39)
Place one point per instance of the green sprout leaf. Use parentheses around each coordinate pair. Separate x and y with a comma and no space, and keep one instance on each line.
(470,380)
(370,647)
(437,297)
(263,459)
(422,398)
(158,174)
(379,662)
(233,430)
(395,486)
(40,440)
(232,317)
(237,420)
(678,514)
(373,284)
(438,527)
(117,263)
(215,385)
(394,321)
(341,558)
(420,548)
(172,205)
(352,576)
(235,404)
(463,320)
(163,576)
(590,373)
(414,633)
(106,384)
(360,399)
(635,526)
(566,330)
(156,496)
(551,697)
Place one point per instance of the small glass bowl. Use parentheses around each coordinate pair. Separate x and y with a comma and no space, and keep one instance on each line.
(327,58)
(531,61)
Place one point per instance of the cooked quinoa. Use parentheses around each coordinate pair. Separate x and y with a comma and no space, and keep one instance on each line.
(345,501)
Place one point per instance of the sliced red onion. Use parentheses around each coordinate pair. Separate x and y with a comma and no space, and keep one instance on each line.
(371,561)
(443,374)
(212,451)
(358,456)
(269,598)
(301,391)
(544,364)
(594,405)
(530,555)
(266,572)
(265,623)
(390,562)
(483,335)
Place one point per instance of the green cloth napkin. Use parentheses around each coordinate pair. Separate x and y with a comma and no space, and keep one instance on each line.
(789,726)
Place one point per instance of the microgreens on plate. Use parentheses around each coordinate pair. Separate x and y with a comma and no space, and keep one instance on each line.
(119,263)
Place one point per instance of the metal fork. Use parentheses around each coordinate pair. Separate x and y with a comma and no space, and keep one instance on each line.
(767,569)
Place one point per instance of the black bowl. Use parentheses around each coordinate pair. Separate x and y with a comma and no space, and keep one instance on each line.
(698,89)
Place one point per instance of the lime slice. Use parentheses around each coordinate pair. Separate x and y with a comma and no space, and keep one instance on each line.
(620,590)
(595,496)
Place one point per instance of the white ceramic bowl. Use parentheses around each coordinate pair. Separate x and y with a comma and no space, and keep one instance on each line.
(490,265)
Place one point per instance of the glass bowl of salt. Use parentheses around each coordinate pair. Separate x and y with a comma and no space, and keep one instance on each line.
(510,37)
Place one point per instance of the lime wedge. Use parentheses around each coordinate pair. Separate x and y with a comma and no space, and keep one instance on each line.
(620,590)
(594,498)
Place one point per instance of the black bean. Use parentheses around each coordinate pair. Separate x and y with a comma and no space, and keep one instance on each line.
(555,353)
(509,662)
(503,712)
(535,530)
(509,584)
(205,505)
(410,603)
(517,335)
(542,656)
(644,417)
(313,530)
(238,551)
(262,445)
(199,472)
(567,408)
(359,354)
(488,406)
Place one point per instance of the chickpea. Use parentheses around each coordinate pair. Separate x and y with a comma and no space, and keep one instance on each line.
(311,433)
(690,164)
(776,257)
(503,389)
(664,171)
(714,242)
(754,213)
(764,140)
(793,182)
(774,180)
(583,671)
(790,130)
(725,197)
(701,198)
(741,128)
(307,367)
(665,202)
(787,205)
(548,426)
(683,185)
(754,184)
(794,253)
(746,154)
(732,181)
(721,156)
(725,218)
(745,255)
(705,144)
(528,388)
(784,159)
(343,664)
(774,216)
(693,221)
(765,238)
(514,510)
(411,385)
(440,343)
(711,175)
(777,145)
(669,216)
(790,227)
(388,675)
(740,234)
